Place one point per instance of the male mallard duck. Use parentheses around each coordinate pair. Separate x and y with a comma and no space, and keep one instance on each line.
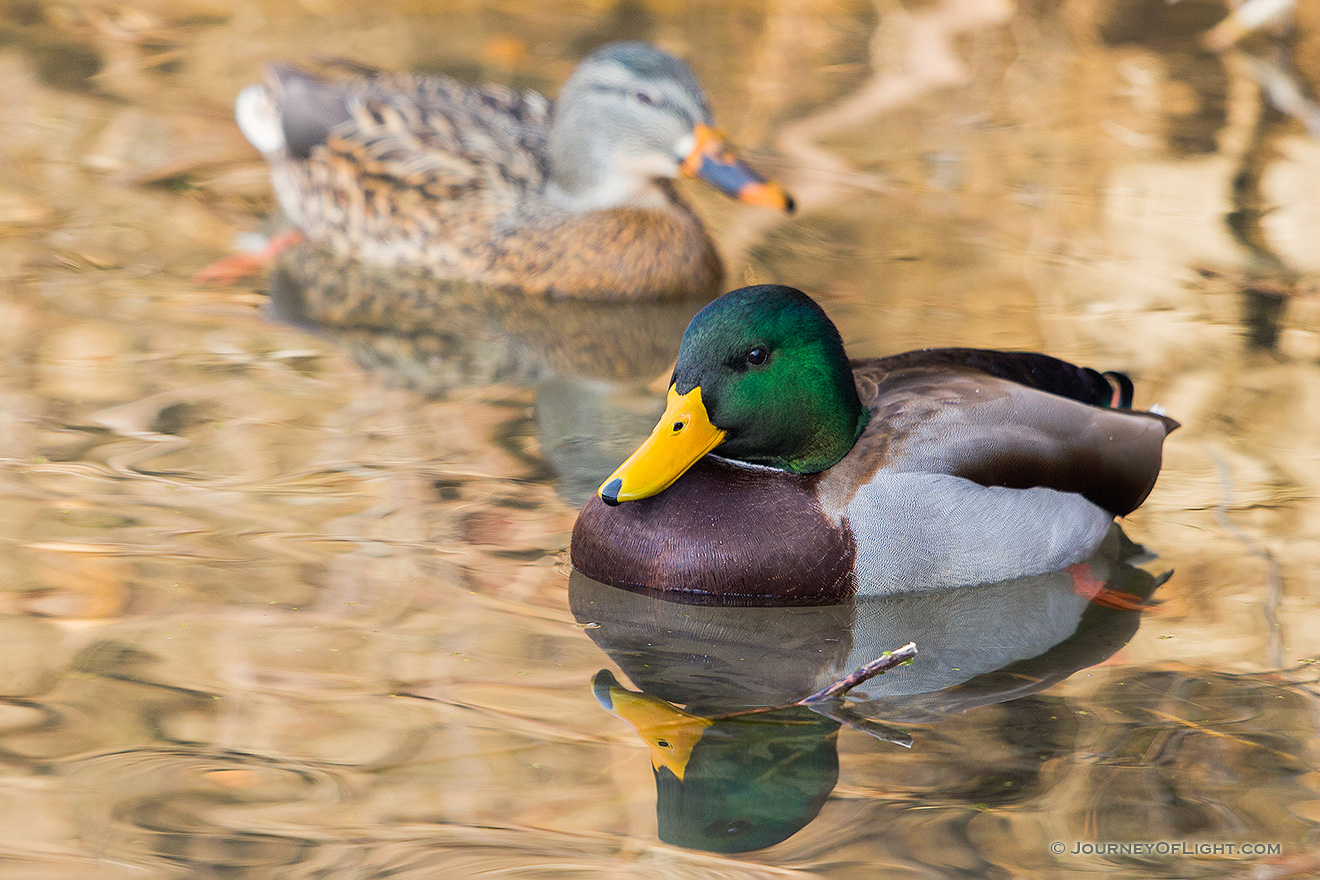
(928,469)
(490,185)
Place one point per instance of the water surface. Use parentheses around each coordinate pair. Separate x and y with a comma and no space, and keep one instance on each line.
(286,595)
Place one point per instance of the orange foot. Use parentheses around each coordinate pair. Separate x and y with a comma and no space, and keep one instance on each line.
(1085,584)
(231,270)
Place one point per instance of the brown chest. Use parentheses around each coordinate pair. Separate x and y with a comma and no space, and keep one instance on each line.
(722,533)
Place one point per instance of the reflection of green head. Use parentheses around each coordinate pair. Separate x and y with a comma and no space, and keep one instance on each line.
(750,782)
(735,784)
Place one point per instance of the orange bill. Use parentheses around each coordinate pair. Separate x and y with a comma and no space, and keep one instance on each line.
(713,161)
(682,437)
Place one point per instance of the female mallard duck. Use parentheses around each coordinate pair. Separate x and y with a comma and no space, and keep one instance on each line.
(489,185)
(928,469)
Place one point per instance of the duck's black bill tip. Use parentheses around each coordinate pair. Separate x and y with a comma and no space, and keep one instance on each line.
(609,493)
(789,205)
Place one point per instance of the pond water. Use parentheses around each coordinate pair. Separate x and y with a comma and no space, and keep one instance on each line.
(284,587)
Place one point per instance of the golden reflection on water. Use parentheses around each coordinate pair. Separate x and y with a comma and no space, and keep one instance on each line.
(267,613)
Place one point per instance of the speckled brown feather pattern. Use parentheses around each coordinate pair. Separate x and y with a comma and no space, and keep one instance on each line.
(431,174)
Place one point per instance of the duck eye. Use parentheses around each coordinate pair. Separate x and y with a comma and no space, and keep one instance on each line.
(757,356)
(644,98)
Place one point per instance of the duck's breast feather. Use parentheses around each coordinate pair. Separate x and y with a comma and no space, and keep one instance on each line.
(723,533)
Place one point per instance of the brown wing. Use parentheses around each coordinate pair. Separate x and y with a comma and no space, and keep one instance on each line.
(434,132)
(936,412)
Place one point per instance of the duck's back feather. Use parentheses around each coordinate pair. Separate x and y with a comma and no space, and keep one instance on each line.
(1008,419)
(403,125)
(1028,368)
(404,169)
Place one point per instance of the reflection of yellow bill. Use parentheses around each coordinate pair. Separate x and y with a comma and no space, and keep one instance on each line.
(683,436)
(669,732)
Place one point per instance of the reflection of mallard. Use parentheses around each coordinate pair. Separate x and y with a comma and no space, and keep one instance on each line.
(478,335)
(722,784)
(733,782)
(933,468)
(484,184)
(588,363)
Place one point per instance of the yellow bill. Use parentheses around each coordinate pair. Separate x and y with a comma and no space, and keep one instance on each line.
(682,437)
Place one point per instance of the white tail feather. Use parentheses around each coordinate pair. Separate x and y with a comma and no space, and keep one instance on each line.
(259,120)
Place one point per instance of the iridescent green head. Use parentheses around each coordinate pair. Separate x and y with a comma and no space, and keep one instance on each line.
(762,377)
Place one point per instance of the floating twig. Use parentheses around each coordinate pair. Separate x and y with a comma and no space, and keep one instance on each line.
(886,661)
